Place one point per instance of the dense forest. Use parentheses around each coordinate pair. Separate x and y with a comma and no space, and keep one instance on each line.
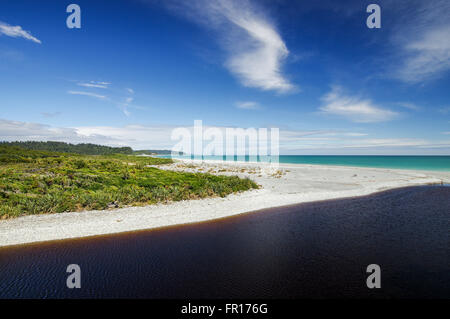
(84,149)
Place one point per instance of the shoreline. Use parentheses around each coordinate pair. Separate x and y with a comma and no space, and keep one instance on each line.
(316,164)
(284,185)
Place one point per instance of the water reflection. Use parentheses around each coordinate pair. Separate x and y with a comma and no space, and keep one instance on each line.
(314,250)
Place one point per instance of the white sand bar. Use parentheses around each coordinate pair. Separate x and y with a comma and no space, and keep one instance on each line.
(292,183)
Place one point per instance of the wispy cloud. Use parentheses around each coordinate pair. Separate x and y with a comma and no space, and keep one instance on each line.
(444,110)
(429,56)
(112,96)
(128,103)
(17,32)
(256,50)
(124,106)
(98,96)
(248,105)
(408,105)
(11,55)
(293,142)
(354,108)
(93,84)
(300,138)
(446,133)
(423,40)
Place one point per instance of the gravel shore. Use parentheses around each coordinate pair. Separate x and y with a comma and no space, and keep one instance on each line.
(285,185)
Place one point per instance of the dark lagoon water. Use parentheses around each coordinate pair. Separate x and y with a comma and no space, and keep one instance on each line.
(314,250)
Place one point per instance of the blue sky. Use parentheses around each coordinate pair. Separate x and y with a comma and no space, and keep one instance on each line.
(136,69)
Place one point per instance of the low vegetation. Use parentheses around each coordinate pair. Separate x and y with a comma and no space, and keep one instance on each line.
(37,182)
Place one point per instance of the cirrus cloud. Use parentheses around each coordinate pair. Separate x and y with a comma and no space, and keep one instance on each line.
(256,50)
(98,96)
(248,105)
(17,32)
(354,108)
(422,39)
(94,84)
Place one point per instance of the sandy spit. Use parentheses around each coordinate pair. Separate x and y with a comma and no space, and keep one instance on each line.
(285,185)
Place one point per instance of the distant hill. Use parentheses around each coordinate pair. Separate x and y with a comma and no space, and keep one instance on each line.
(84,148)
(153,152)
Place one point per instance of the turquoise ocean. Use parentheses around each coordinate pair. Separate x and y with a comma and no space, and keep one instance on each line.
(434,163)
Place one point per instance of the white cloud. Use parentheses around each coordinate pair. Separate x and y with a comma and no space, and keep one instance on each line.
(16,32)
(293,135)
(429,56)
(136,136)
(354,108)
(127,104)
(446,133)
(158,137)
(346,144)
(98,96)
(22,131)
(255,49)
(11,55)
(377,142)
(339,142)
(410,106)
(355,134)
(122,103)
(93,84)
(423,41)
(248,105)
(444,110)
(124,106)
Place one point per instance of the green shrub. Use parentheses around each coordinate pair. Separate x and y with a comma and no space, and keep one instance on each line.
(37,182)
